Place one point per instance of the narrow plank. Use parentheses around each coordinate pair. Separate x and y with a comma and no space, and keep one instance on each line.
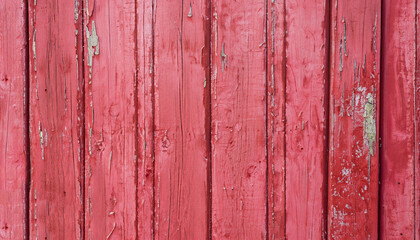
(354,120)
(144,108)
(112,149)
(56,120)
(306,118)
(238,120)
(416,128)
(180,89)
(398,121)
(13,80)
(276,119)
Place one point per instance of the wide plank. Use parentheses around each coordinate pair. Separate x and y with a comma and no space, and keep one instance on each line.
(111,125)
(354,119)
(56,119)
(181,83)
(13,120)
(398,121)
(238,115)
(306,98)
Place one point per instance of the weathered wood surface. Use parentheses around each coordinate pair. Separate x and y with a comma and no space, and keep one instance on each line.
(417,130)
(354,120)
(180,93)
(111,126)
(209,119)
(399,127)
(297,109)
(13,120)
(276,119)
(306,85)
(145,128)
(238,120)
(56,126)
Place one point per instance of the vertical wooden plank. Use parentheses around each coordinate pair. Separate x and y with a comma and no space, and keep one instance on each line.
(417,129)
(111,119)
(238,120)
(144,108)
(13,79)
(276,119)
(306,118)
(180,86)
(354,114)
(398,120)
(55,119)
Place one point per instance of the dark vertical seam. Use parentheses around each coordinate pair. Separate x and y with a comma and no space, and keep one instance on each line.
(82,129)
(284,112)
(266,117)
(381,119)
(136,119)
(26,140)
(153,120)
(414,111)
(181,96)
(381,112)
(327,28)
(207,39)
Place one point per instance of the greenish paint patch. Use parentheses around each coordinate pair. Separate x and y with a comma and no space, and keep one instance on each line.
(41,139)
(341,57)
(190,12)
(34,48)
(345,37)
(93,42)
(90,141)
(369,123)
(76,11)
(223,57)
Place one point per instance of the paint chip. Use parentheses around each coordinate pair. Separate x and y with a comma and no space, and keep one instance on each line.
(190,12)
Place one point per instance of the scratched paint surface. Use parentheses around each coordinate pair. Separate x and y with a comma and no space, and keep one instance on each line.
(417,135)
(180,88)
(276,119)
(13,78)
(306,118)
(238,120)
(209,119)
(398,152)
(354,111)
(112,148)
(145,135)
(55,124)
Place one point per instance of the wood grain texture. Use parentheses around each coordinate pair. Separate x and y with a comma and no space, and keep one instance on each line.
(238,120)
(13,80)
(144,108)
(55,124)
(306,118)
(209,119)
(112,147)
(276,119)
(180,88)
(398,122)
(354,120)
(417,129)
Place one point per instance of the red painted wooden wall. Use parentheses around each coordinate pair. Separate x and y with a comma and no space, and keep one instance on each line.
(209,119)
